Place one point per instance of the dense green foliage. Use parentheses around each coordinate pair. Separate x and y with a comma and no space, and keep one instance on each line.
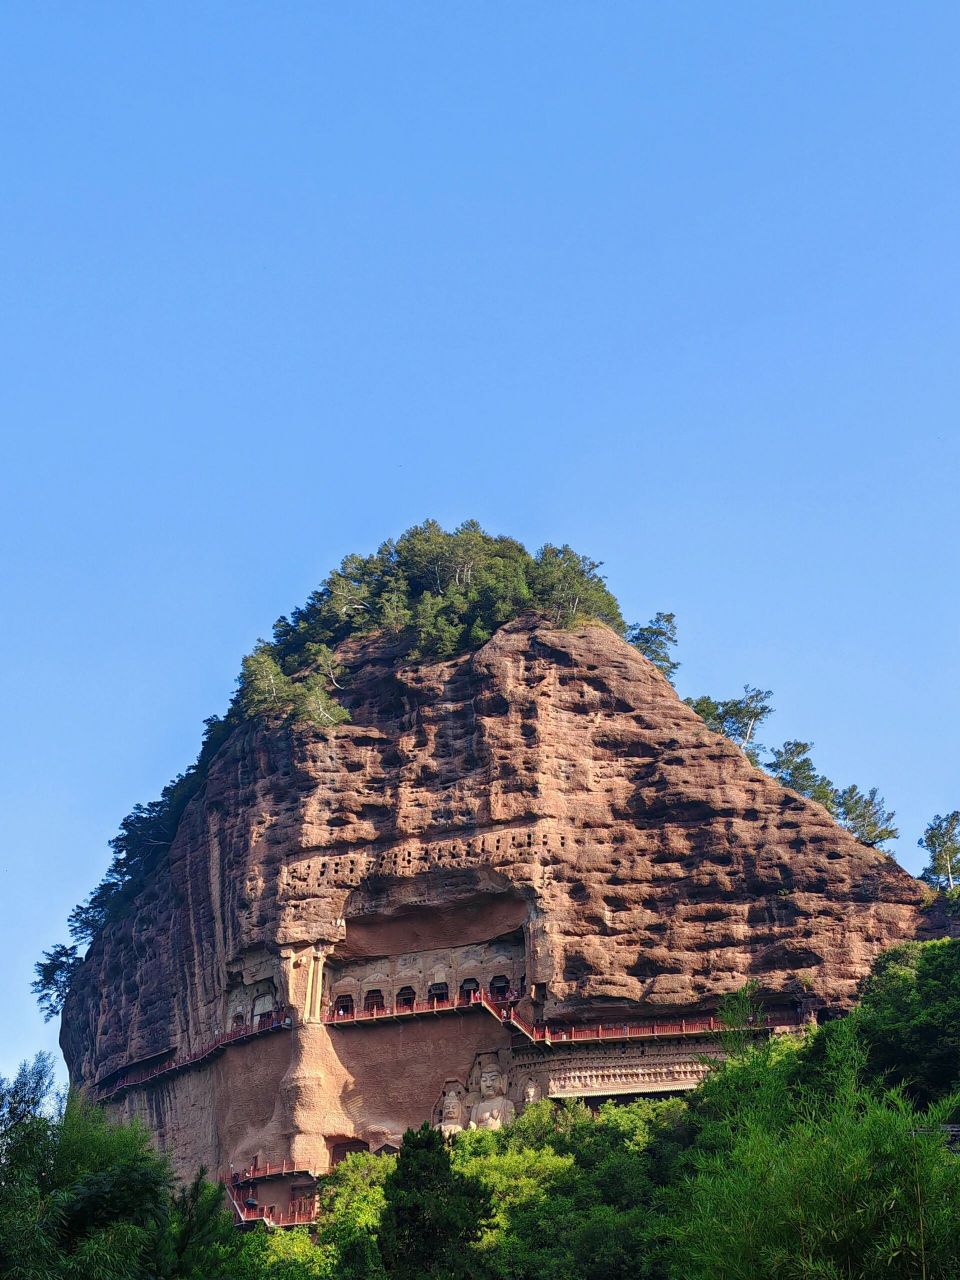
(909,1018)
(573,1192)
(451,589)
(431,1212)
(819,1157)
(83,1199)
(800,1174)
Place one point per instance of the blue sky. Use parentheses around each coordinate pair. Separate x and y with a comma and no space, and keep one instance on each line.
(676,283)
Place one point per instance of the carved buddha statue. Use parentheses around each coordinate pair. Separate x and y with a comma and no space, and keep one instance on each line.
(451,1115)
(531,1092)
(494,1109)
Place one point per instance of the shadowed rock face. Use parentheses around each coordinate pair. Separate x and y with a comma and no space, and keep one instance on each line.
(550,787)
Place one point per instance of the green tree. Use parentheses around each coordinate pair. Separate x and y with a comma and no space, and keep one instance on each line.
(283,1255)
(84,1199)
(740,1013)
(837,1182)
(352,1202)
(81,1197)
(736,718)
(941,840)
(197,1240)
(865,816)
(262,688)
(656,641)
(55,972)
(451,590)
(791,765)
(432,1213)
(572,1191)
(311,702)
(909,1017)
(567,586)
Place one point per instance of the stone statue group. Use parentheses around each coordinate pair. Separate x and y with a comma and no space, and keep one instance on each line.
(487,1106)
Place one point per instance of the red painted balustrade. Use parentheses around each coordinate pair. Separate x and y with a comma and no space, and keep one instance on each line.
(265,1024)
(300,1212)
(544,1033)
(258,1169)
(387,1012)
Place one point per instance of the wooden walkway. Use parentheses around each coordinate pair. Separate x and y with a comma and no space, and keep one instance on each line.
(248,1031)
(550,1033)
(297,1216)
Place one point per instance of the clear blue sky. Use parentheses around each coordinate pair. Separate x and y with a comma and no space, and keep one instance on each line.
(675,283)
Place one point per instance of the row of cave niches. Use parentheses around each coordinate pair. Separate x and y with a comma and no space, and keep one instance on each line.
(499,989)
(352,869)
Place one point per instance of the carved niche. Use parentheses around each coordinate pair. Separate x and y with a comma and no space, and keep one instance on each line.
(490,1108)
(450,1111)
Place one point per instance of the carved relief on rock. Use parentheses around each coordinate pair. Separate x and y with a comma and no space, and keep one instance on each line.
(600,1070)
(492,1108)
(564,755)
(449,1113)
(248,1002)
(530,1092)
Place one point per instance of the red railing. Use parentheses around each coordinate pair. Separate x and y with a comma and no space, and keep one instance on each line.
(264,1169)
(386,1012)
(544,1033)
(281,1021)
(299,1213)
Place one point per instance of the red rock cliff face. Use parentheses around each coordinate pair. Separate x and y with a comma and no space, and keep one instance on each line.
(551,790)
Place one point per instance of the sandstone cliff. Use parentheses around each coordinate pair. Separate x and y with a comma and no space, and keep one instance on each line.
(548,796)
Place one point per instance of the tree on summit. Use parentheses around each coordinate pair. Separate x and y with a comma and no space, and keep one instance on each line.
(567,586)
(264,689)
(791,765)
